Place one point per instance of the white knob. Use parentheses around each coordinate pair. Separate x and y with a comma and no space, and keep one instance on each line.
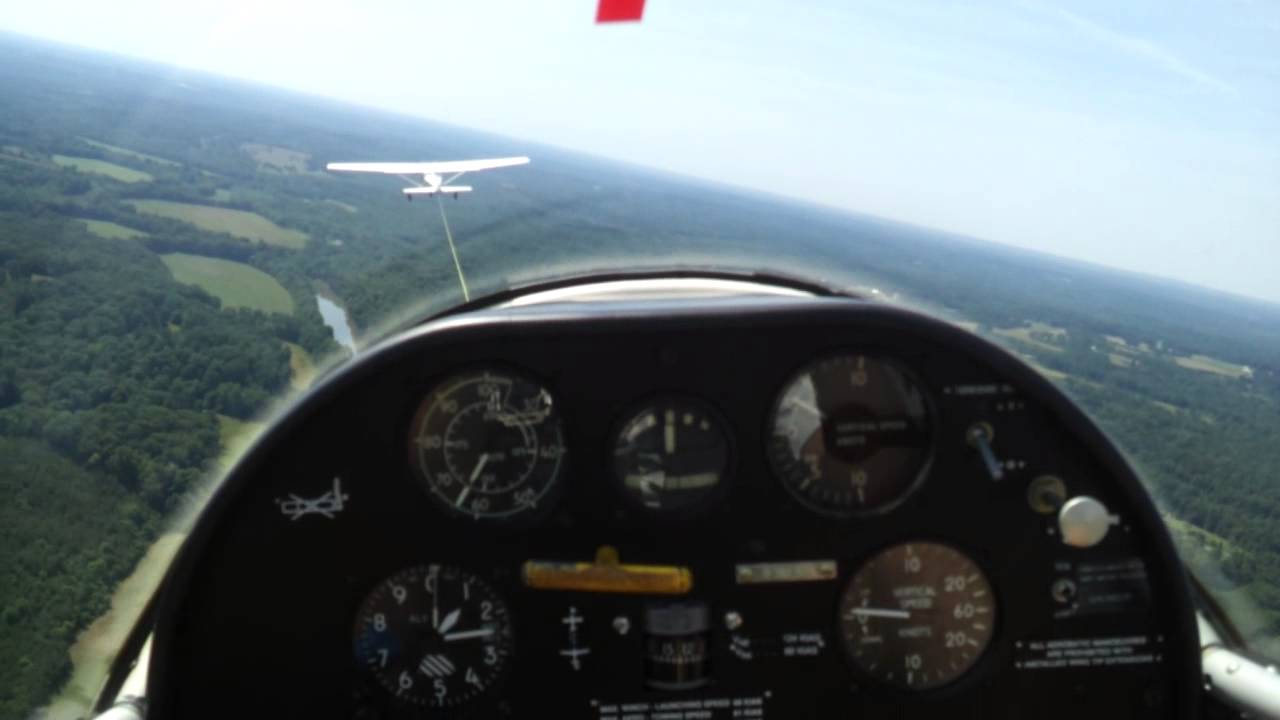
(1084,521)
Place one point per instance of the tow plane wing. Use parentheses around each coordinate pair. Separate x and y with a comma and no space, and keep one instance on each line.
(436,177)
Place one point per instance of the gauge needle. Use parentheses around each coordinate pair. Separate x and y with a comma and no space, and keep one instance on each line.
(449,621)
(484,458)
(806,406)
(880,613)
(468,634)
(471,481)
(652,482)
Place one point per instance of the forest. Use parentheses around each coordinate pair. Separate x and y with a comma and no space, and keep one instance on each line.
(121,364)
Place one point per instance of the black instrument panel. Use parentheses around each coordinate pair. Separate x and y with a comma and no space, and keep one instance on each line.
(652,544)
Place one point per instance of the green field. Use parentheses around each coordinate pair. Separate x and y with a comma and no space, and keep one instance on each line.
(130,153)
(302,370)
(1055,375)
(111,231)
(247,225)
(270,157)
(235,284)
(1204,363)
(102,167)
(1038,335)
(13,153)
(232,431)
(1120,360)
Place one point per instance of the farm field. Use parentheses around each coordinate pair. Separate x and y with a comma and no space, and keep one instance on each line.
(240,223)
(111,231)
(102,167)
(130,153)
(234,283)
(1204,363)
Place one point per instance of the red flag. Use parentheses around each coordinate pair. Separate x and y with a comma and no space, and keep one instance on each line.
(619,11)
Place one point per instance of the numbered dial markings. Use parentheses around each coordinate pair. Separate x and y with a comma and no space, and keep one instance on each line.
(850,435)
(917,616)
(487,444)
(671,455)
(434,636)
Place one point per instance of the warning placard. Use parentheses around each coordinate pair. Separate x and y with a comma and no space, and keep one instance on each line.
(711,708)
(1073,653)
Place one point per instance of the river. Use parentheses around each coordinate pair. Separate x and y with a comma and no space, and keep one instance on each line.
(336,318)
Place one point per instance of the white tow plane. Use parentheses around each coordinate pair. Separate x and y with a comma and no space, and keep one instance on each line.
(437,177)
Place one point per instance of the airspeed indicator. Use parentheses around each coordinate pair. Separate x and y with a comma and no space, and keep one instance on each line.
(487,444)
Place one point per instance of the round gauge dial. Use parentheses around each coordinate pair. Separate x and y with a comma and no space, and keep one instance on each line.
(434,636)
(671,454)
(487,444)
(850,435)
(917,615)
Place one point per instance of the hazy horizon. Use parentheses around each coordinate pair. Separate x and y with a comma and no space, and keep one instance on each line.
(1130,144)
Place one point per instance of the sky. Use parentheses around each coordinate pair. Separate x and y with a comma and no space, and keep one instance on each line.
(1141,135)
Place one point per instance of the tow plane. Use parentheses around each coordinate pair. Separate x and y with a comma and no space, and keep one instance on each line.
(436,177)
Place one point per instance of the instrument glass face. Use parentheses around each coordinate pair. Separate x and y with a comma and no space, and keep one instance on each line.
(487,444)
(434,636)
(917,615)
(850,435)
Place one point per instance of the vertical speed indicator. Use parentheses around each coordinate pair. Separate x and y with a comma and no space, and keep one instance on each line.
(917,615)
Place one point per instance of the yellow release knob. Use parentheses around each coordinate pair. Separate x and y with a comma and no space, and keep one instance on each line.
(608,575)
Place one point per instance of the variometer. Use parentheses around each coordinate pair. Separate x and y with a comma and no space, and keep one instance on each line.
(918,615)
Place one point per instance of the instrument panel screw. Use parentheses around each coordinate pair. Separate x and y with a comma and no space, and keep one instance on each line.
(732,620)
(622,624)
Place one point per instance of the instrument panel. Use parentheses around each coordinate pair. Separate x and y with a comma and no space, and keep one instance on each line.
(654,509)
